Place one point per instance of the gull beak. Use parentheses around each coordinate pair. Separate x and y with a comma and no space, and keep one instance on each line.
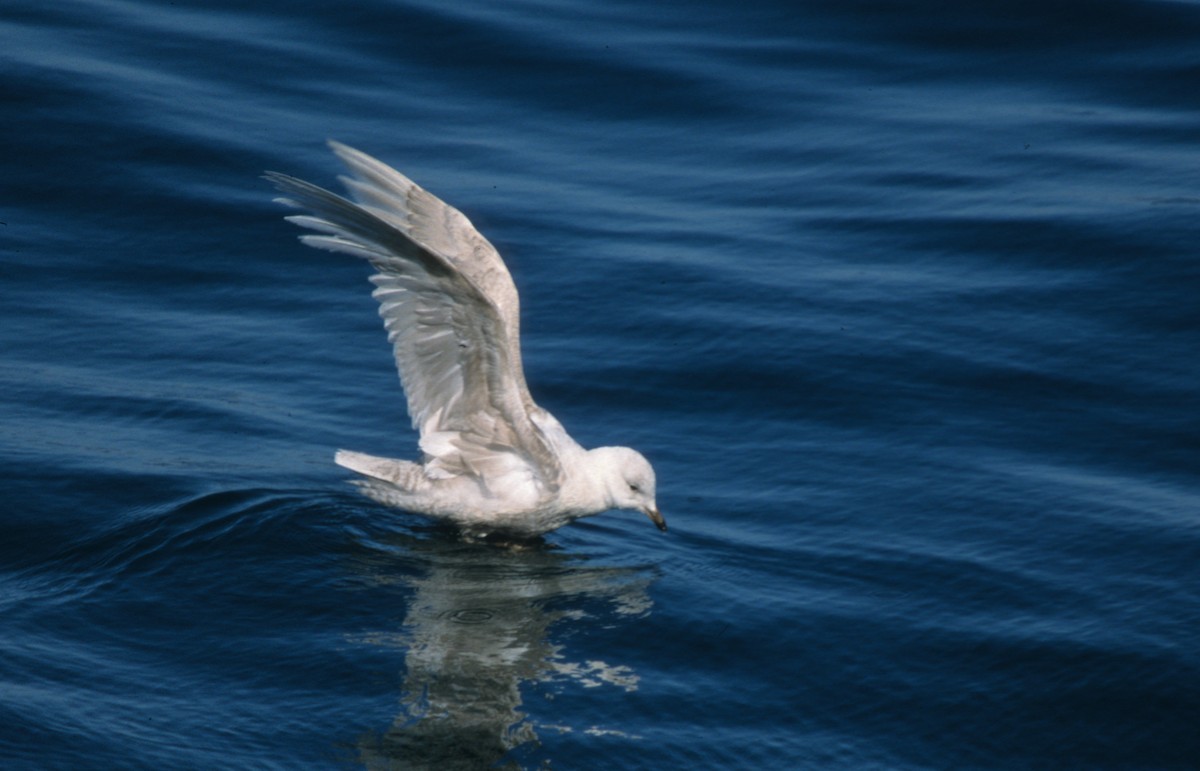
(656,518)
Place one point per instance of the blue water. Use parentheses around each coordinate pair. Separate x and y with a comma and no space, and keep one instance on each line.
(900,299)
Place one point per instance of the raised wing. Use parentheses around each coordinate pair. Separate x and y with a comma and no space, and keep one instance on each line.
(451,311)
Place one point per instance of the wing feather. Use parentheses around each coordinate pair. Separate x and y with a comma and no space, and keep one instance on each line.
(451,313)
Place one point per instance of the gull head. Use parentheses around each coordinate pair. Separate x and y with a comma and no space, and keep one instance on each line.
(628,482)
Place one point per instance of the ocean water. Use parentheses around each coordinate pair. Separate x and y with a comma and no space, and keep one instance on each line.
(902,301)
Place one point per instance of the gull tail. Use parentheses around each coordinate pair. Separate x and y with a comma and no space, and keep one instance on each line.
(400,473)
(391,482)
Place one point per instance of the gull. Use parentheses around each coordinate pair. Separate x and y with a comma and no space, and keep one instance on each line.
(493,462)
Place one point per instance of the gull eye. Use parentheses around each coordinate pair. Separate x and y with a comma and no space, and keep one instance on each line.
(634,488)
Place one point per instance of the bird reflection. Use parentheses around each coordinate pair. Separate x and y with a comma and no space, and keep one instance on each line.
(477,627)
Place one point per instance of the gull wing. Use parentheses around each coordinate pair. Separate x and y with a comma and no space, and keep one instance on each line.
(451,312)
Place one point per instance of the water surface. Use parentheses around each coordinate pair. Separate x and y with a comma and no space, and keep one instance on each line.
(899,300)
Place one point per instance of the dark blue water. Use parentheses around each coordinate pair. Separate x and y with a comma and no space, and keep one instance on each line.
(902,301)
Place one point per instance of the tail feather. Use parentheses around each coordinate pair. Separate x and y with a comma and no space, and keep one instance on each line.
(405,475)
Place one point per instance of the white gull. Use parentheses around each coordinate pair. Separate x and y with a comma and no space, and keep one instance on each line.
(494,462)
